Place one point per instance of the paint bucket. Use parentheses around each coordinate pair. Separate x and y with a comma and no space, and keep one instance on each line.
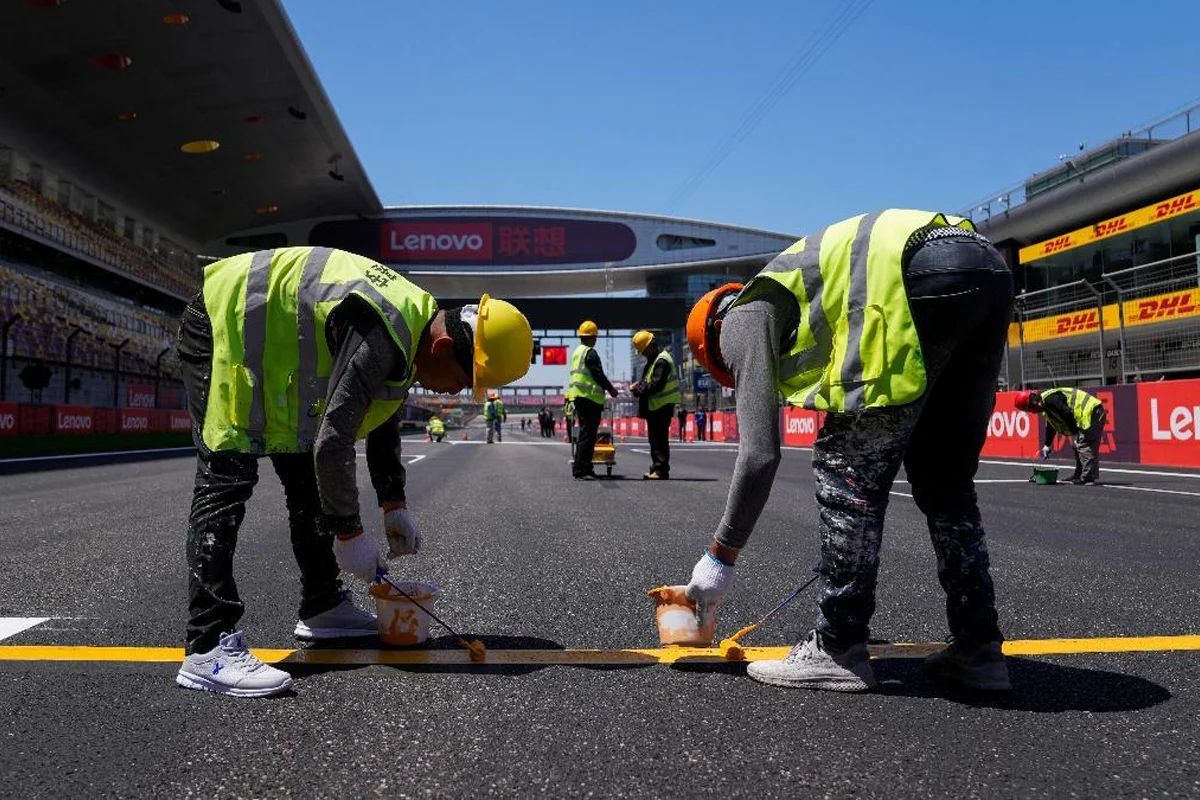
(676,618)
(1043,475)
(400,621)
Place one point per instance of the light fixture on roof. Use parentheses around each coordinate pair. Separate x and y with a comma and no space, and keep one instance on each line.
(252,119)
(232,6)
(112,61)
(252,157)
(44,3)
(176,19)
(336,172)
(266,209)
(128,116)
(200,146)
(297,113)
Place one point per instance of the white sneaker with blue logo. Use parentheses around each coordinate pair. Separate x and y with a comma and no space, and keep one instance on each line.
(230,668)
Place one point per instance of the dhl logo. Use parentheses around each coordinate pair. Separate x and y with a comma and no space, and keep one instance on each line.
(1110,227)
(1056,245)
(1165,307)
(1076,323)
(1176,206)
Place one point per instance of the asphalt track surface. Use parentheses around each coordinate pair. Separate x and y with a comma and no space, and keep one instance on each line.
(529,560)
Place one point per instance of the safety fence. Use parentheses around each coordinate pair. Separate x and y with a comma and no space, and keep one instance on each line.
(719,426)
(1140,323)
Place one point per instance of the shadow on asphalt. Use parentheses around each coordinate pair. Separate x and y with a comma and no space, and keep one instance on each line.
(1038,686)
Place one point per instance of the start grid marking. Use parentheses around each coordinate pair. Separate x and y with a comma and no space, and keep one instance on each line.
(11,626)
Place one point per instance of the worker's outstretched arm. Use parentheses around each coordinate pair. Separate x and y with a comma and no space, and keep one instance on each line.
(592,362)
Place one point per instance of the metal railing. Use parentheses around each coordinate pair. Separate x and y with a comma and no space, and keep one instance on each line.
(1140,323)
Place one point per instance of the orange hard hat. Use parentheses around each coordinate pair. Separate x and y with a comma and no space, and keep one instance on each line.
(704,328)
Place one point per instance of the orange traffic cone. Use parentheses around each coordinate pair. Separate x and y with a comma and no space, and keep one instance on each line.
(622,438)
(464,436)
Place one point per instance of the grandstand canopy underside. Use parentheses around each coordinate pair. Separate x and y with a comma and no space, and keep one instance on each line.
(109,93)
(521,251)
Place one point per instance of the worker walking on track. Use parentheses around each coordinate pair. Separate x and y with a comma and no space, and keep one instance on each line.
(295,354)
(436,429)
(894,324)
(1076,415)
(585,393)
(494,416)
(658,394)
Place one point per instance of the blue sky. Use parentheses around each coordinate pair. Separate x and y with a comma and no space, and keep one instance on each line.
(614,105)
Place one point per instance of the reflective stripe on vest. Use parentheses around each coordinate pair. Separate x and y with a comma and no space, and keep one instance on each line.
(271,359)
(1082,406)
(669,394)
(581,383)
(856,343)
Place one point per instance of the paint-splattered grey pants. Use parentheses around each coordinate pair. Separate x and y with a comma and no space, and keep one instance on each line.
(960,292)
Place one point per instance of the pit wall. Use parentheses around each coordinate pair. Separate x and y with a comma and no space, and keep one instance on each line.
(1148,423)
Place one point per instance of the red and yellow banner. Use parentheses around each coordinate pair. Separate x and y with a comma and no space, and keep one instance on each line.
(1172,207)
(1144,311)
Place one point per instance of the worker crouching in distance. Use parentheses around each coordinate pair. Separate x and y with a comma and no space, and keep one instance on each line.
(436,429)
(1076,415)
(585,394)
(893,323)
(295,354)
(658,394)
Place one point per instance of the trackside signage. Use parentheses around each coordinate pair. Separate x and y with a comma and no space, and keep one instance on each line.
(800,427)
(135,420)
(1169,422)
(407,242)
(139,395)
(8,419)
(74,419)
(1011,432)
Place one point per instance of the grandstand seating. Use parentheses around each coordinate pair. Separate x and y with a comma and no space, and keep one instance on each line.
(49,307)
(29,209)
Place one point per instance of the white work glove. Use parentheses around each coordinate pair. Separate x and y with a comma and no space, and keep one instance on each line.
(359,556)
(1045,452)
(711,581)
(403,535)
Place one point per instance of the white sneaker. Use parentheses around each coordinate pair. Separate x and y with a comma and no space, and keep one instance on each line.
(229,668)
(342,621)
(810,666)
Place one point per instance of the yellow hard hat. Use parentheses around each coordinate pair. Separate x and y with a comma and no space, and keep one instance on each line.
(588,328)
(642,340)
(503,345)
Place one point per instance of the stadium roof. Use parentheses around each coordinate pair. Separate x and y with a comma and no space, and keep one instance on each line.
(73,74)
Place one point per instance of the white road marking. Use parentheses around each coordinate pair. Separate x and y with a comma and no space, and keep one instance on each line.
(900,494)
(11,626)
(1103,467)
(1147,489)
(415,459)
(68,456)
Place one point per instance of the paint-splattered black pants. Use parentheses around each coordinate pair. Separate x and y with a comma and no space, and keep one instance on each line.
(960,292)
(224,482)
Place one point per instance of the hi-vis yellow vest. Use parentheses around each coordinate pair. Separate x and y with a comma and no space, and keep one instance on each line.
(856,345)
(436,426)
(271,359)
(1081,404)
(669,394)
(581,383)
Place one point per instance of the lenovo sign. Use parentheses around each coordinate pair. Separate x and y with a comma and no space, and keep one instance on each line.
(407,242)
(800,427)
(1011,432)
(139,395)
(8,419)
(1169,422)
(73,419)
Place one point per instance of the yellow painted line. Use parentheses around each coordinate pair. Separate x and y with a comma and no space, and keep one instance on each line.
(533,658)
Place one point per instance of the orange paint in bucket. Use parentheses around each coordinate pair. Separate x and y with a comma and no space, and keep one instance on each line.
(400,621)
(676,618)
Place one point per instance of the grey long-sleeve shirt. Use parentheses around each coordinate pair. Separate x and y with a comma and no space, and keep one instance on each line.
(364,357)
(752,336)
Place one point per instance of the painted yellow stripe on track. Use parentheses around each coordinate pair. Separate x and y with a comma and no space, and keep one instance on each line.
(534,658)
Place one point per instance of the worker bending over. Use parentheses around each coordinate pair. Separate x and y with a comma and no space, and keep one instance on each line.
(295,354)
(894,323)
(1076,415)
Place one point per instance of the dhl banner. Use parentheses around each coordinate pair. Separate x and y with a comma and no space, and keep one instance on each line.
(1181,204)
(1145,311)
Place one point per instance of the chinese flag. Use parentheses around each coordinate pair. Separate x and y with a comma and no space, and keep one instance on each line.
(554,355)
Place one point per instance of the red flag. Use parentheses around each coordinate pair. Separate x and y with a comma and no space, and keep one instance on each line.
(554,355)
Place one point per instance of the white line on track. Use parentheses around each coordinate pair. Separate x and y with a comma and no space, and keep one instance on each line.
(1148,489)
(11,626)
(107,454)
(1104,467)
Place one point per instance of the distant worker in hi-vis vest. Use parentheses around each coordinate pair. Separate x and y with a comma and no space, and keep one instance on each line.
(894,324)
(586,386)
(295,354)
(494,417)
(436,429)
(658,394)
(1076,415)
